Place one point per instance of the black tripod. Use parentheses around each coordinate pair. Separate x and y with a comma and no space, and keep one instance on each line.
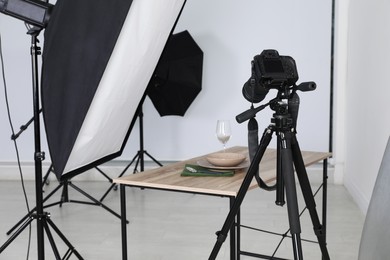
(44,223)
(288,156)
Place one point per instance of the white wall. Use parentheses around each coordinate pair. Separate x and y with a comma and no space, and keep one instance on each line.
(16,54)
(230,34)
(365,88)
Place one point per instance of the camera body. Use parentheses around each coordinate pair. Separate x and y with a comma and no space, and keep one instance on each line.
(274,71)
(269,70)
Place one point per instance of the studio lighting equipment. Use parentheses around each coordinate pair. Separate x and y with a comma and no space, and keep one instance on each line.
(177,79)
(98,59)
(34,12)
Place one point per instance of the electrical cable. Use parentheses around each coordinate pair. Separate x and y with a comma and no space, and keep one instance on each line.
(15,143)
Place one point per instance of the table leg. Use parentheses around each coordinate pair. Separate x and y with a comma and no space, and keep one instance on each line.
(233,237)
(238,236)
(123,221)
(324,196)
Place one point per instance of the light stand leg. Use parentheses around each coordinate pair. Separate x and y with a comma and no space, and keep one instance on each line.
(32,211)
(52,243)
(64,199)
(46,177)
(71,248)
(113,185)
(16,234)
(95,201)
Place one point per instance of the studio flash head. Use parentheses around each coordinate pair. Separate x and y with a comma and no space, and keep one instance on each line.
(34,12)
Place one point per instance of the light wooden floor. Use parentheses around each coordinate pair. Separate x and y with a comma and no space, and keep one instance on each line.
(174,226)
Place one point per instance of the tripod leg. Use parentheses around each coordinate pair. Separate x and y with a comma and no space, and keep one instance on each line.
(291,194)
(221,235)
(308,196)
(279,175)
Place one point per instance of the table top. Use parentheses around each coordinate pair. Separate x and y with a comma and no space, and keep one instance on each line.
(168,177)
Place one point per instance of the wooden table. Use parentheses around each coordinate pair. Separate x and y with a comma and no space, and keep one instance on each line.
(168,178)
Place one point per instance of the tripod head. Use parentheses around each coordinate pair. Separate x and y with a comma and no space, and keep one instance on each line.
(286,101)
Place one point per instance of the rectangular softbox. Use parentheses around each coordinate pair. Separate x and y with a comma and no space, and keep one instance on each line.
(98,58)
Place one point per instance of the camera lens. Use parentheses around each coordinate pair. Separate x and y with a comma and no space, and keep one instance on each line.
(254,92)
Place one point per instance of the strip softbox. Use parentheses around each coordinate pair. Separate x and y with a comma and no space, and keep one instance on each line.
(98,58)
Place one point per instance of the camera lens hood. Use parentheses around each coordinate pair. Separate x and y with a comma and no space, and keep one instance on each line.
(253,92)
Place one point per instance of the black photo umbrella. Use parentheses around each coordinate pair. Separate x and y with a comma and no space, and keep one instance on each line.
(178,76)
(98,59)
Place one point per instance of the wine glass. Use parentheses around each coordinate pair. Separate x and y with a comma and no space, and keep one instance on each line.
(223,132)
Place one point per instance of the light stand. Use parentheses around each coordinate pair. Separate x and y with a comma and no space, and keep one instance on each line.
(139,157)
(44,223)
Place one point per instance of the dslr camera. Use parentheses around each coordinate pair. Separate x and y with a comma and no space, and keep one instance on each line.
(269,70)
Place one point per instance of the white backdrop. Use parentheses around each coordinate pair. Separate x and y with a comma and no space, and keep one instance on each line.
(230,34)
